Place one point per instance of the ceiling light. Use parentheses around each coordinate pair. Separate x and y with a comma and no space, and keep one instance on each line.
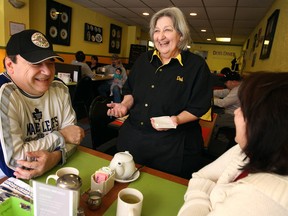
(208,39)
(193,14)
(145,14)
(266,42)
(223,39)
(203,30)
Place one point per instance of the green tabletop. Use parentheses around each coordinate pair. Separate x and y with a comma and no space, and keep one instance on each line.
(86,163)
(161,196)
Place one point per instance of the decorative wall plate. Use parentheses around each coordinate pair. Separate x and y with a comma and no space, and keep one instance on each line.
(88,35)
(113,33)
(53,31)
(113,44)
(63,34)
(64,17)
(53,14)
(98,38)
(117,44)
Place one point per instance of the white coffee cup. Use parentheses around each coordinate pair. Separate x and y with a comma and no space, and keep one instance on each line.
(61,172)
(129,202)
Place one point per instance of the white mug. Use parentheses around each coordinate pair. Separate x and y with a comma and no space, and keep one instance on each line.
(129,202)
(61,172)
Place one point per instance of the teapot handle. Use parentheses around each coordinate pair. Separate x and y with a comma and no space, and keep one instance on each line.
(119,169)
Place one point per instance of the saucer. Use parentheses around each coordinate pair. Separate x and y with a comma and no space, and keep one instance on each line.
(136,176)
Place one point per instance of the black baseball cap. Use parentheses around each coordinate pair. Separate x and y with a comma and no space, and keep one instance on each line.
(231,76)
(31,45)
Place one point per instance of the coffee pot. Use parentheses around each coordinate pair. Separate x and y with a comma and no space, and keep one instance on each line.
(123,165)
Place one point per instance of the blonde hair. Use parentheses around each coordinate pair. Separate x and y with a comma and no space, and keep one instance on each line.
(179,23)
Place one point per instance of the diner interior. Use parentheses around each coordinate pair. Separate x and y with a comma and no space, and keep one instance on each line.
(243,23)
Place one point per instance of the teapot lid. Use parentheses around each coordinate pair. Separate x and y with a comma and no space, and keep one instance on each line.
(123,156)
(69,181)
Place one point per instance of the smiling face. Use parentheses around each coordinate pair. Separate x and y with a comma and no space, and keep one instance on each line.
(166,38)
(34,79)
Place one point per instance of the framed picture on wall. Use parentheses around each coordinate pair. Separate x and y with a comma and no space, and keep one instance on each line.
(115,39)
(92,33)
(58,23)
(16,27)
(269,35)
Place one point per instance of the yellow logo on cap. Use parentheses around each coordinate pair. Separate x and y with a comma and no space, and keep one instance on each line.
(39,40)
(179,78)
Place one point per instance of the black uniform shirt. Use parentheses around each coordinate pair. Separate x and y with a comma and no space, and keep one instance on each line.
(166,90)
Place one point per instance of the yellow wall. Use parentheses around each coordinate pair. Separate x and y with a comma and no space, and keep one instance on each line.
(2,39)
(33,15)
(219,56)
(279,52)
(80,16)
(11,14)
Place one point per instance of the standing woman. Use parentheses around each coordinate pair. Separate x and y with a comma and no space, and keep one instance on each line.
(169,81)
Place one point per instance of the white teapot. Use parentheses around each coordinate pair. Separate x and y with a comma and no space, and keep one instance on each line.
(123,165)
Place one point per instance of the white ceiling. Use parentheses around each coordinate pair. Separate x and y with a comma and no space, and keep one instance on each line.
(221,18)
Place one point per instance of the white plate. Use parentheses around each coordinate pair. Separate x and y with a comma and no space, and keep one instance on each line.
(136,176)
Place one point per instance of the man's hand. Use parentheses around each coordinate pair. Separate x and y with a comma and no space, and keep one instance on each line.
(41,162)
(73,134)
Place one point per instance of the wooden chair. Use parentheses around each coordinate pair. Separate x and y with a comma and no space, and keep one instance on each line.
(101,134)
(216,146)
(207,129)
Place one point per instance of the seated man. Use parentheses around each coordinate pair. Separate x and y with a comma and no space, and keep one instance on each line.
(104,88)
(227,99)
(85,69)
(37,119)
